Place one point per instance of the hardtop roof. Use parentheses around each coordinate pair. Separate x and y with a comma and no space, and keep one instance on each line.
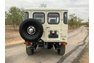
(45,9)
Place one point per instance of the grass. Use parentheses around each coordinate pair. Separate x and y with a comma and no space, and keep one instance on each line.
(11,35)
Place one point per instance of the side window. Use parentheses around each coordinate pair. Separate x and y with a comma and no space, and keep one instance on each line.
(53,18)
(40,16)
(26,15)
(65,18)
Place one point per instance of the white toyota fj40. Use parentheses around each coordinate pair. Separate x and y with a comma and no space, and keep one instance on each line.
(46,28)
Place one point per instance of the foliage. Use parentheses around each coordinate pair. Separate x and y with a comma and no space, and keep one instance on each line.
(14,16)
(74,22)
(85,24)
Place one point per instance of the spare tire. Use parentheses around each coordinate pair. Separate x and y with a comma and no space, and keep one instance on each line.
(31,30)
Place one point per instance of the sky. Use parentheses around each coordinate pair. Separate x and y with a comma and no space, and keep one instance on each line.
(77,7)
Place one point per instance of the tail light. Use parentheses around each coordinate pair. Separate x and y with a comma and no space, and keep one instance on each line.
(28,43)
(62,43)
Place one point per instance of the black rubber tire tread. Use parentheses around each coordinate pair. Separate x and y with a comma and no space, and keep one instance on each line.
(61,50)
(29,51)
(23,30)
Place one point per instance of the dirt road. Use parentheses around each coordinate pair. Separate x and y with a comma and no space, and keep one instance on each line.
(84,56)
(17,54)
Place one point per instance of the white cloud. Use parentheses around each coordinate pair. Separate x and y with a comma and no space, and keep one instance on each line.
(79,7)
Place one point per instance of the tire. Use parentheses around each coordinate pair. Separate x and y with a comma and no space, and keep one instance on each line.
(61,50)
(29,51)
(37,30)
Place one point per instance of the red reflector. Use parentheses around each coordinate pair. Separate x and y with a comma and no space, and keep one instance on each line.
(28,43)
(63,43)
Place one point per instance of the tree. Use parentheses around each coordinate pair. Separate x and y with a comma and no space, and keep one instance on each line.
(14,16)
(74,21)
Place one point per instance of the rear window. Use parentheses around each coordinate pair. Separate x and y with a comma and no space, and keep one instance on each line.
(26,15)
(40,16)
(53,18)
(65,17)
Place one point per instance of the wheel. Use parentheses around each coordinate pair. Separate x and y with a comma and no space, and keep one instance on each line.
(61,50)
(29,51)
(31,30)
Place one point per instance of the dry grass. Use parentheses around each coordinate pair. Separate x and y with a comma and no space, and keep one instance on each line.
(11,35)
(85,56)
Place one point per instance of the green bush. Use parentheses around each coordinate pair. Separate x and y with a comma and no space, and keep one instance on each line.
(74,22)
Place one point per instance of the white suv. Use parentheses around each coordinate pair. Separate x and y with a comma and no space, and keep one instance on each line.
(44,28)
